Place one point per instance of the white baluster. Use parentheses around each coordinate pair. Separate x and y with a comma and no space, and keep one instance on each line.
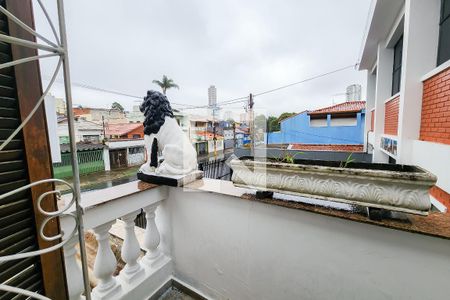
(105,264)
(73,270)
(131,250)
(151,237)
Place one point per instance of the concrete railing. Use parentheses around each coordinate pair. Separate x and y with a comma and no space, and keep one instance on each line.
(102,209)
(224,244)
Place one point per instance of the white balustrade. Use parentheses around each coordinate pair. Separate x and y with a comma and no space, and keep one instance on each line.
(75,284)
(105,264)
(131,250)
(151,237)
(137,275)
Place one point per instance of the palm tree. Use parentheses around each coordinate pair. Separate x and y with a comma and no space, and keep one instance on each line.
(166,84)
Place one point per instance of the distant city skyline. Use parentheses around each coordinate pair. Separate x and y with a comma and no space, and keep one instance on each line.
(212,96)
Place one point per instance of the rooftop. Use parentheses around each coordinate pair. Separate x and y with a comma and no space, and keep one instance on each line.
(346,107)
(122,128)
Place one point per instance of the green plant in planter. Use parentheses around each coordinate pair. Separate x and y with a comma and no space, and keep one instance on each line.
(347,161)
(287,158)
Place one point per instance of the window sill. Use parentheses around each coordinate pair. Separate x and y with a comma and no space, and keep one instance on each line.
(392,97)
(436,71)
(435,224)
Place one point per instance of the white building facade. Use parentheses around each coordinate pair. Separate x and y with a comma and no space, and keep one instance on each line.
(406,56)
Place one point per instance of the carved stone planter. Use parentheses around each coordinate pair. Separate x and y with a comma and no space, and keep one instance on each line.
(392,187)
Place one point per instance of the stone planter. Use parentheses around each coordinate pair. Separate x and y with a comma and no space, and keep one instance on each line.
(392,187)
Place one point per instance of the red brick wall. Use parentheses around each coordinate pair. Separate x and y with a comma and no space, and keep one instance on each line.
(441,195)
(330,147)
(435,123)
(391,116)
(372,120)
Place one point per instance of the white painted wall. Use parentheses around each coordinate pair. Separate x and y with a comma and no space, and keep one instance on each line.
(370,103)
(230,248)
(318,123)
(421,32)
(125,144)
(385,60)
(435,158)
(52,128)
(343,121)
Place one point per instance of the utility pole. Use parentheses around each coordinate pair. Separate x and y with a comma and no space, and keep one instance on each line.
(251,125)
(234,135)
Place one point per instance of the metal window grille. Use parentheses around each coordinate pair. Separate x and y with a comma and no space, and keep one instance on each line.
(397,68)
(444,33)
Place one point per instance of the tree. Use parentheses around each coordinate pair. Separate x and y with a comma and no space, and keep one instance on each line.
(117,106)
(272,124)
(285,115)
(166,84)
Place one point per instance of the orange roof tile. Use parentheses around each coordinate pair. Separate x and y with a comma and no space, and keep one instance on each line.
(350,106)
(121,129)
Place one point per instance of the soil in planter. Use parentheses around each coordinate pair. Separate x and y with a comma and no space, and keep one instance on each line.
(351,165)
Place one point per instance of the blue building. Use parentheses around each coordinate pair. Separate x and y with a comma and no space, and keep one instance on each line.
(341,124)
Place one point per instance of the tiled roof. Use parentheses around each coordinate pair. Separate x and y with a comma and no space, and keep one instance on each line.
(82,147)
(328,147)
(350,106)
(121,129)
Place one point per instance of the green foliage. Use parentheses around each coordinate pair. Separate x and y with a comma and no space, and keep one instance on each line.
(118,106)
(165,84)
(347,161)
(285,115)
(286,157)
(272,124)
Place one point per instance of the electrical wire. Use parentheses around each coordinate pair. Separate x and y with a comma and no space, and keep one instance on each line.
(305,80)
(94,88)
(221,103)
(245,98)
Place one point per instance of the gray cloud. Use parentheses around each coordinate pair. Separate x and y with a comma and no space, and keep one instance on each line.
(239,46)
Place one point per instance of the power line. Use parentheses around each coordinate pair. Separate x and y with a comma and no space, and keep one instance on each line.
(306,80)
(245,98)
(94,88)
(222,103)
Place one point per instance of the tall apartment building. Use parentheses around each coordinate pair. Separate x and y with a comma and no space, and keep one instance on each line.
(212,96)
(407,59)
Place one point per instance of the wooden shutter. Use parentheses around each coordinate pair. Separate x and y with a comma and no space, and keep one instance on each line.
(26,159)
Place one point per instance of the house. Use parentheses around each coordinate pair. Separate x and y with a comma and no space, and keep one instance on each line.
(406,56)
(125,131)
(85,131)
(110,116)
(340,124)
(135,116)
(126,144)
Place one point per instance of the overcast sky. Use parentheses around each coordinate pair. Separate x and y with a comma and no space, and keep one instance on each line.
(238,46)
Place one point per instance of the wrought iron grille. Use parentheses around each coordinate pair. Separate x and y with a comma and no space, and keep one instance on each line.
(56,48)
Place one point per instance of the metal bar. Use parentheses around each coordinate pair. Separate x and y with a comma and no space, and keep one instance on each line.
(49,20)
(73,147)
(25,26)
(25,43)
(25,60)
(15,290)
(35,108)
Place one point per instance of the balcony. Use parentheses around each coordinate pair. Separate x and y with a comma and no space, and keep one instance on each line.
(223,243)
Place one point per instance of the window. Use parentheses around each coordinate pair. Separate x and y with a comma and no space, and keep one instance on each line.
(444,33)
(397,69)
